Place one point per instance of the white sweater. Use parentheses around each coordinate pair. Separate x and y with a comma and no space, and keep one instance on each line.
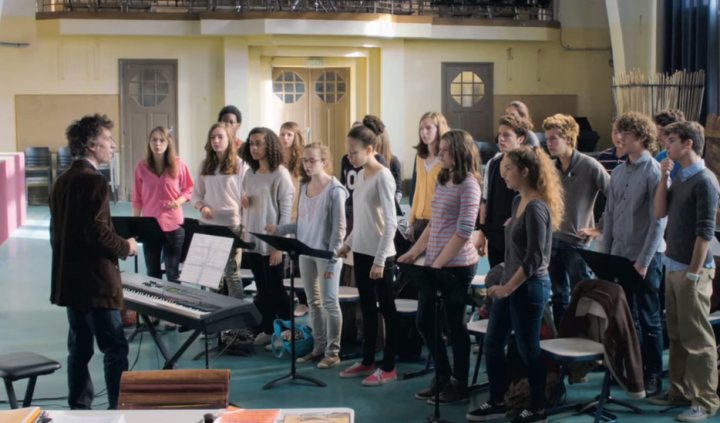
(374,216)
(222,193)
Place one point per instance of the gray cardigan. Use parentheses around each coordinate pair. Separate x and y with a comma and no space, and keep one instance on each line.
(324,229)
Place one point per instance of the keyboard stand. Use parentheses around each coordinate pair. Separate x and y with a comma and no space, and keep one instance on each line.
(171,360)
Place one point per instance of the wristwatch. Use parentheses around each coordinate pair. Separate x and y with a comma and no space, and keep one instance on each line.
(692,276)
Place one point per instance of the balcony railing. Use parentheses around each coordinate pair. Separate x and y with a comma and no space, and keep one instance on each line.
(524,10)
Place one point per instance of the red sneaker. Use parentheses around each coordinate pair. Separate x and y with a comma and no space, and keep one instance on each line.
(357,369)
(380,377)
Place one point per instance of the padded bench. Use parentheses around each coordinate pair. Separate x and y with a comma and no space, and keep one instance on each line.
(24,365)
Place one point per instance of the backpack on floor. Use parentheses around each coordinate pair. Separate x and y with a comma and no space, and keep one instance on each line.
(281,339)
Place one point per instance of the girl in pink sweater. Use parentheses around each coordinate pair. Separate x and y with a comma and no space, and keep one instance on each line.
(162,185)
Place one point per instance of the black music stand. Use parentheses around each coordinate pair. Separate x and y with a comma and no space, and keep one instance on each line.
(429,275)
(294,248)
(238,242)
(143,229)
(611,268)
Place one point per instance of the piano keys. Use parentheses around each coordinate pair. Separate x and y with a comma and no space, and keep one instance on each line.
(199,310)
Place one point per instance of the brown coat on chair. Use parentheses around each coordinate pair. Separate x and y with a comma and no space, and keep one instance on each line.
(85,247)
(619,339)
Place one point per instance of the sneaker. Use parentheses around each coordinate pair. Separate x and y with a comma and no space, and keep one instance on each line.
(170,326)
(310,358)
(328,362)
(486,411)
(429,392)
(380,377)
(653,386)
(665,400)
(301,310)
(694,414)
(527,416)
(453,393)
(358,369)
(262,339)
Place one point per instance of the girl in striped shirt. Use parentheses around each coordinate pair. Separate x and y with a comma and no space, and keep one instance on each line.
(448,245)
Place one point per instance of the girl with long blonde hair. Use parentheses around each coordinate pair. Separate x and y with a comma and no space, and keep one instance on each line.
(431,128)
(292,142)
(218,194)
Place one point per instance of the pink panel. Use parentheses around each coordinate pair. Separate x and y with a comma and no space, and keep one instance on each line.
(13,209)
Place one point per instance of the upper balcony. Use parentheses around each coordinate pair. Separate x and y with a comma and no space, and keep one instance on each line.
(530,20)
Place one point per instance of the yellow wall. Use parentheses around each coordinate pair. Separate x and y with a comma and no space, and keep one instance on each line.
(89,65)
(529,68)
(397,79)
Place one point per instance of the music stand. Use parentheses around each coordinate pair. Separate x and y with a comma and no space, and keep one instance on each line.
(224,231)
(294,248)
(611,268)
(238,242)
(429,275)
(143,229)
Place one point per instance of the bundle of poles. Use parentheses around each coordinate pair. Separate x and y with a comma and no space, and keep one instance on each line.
(650,94)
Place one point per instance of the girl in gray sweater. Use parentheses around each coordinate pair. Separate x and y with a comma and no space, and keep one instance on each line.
(320,225)
(267,199)
(371,241)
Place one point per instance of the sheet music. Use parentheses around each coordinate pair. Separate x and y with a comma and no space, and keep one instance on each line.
(206,259)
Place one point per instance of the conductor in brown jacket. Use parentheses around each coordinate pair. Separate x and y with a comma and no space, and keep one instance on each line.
(85,252)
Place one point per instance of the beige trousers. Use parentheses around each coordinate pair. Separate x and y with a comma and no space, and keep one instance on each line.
(693,352)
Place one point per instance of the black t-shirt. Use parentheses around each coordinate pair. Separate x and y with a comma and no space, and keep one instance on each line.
(500,198)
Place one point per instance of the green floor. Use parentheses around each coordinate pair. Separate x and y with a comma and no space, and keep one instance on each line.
(31,323)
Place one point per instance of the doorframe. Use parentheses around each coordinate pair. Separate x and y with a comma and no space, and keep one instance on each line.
(445,94)
(125,191)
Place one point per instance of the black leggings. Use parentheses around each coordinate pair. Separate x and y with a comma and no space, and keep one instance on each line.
(373,292)
(453,290)
(271,300)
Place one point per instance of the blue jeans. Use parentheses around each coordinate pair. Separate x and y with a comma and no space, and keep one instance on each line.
(521,313)
(105,326)
(644,303)
(567,268)
(169,247)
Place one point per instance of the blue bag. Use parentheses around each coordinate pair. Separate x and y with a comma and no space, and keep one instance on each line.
(280,340)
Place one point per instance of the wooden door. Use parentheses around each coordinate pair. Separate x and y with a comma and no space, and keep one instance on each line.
(468,98)
(318,100)
(330,110)
(148,98)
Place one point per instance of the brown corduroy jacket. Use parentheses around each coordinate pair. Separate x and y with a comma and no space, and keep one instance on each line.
(619,339)
(85,247)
